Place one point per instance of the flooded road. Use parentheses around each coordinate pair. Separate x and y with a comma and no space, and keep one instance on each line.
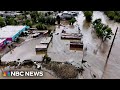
(25,51)
(90,40)
(59,50)
(112,70)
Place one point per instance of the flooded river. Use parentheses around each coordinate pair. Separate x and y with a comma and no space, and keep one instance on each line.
(97,61)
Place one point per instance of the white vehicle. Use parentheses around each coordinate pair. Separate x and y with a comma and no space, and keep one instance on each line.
(38,65)
(35,35)
(74,13)
(65,15)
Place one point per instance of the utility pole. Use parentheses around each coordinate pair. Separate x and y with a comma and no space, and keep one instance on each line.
(109,52)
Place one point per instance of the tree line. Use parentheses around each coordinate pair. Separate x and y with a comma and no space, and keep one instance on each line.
(113,15)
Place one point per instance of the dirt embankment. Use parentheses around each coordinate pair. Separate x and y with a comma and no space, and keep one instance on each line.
(63,71)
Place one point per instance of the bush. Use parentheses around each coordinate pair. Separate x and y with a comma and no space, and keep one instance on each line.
(41,26)
(65,71)
(47,20)
(50,20)
(11,21)
(2,22)
(28,23)
(102,31)
(41,19)
(72,21)
(88,15)
(113,15)
(34,15)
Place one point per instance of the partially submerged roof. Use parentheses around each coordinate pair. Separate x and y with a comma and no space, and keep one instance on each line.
(46,40)
(41,46)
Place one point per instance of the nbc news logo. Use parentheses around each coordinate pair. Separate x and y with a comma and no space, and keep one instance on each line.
(22,73)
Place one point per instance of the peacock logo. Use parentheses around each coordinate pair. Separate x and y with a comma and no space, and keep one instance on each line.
(6,73)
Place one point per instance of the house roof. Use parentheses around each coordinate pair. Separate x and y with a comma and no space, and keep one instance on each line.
(41,46)
(10,31)
(45,40)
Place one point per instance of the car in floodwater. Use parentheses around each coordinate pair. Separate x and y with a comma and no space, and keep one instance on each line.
(74,13)
(65,15)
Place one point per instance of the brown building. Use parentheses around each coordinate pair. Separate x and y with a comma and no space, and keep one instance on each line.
(76,44)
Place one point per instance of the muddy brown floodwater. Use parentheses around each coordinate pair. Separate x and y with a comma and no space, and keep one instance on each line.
(59,50)
(90,40)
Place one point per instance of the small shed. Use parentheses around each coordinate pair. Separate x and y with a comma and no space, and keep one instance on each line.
(41,47)
(46,40)
(76,44)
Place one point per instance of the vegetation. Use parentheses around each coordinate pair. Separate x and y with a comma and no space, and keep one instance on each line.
(50,20)
(47,20)
(46,59)
(34,15)
(28,23)
(58,19)
(72,21)
(11,21)
(2,22)
(103,31)
(88,15)
(42,19)
(41,26)
(38,19)
(113,15)
(64,71)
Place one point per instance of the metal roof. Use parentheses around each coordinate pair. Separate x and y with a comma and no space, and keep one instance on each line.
(10,31)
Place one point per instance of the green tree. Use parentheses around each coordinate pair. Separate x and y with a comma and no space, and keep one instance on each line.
(41,19)
(50,20)
(72,21)
(111,14)
(117,18)
(58,19)
(28,23)
(102,31)
(41,26)
(88,15)
(11,21)
(34,15)
(46,59)
(2,22)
